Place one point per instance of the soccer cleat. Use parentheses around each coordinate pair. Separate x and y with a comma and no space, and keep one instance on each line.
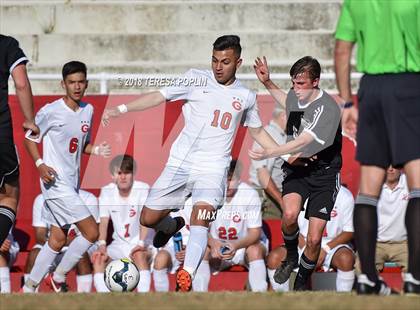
(183,281)
(411,285)
(282,273)
(367,287)
(56,286)
(162,238)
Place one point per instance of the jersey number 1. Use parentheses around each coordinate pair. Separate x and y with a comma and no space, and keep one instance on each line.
(224,122)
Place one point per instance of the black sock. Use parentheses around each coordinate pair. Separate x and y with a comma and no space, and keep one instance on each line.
(365,222)
(306,267)
(412,223)
(291,242)
(7,218)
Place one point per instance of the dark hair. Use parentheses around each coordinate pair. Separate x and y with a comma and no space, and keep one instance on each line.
(235,169)
(73,67)
(228,41)
(125,163)
(306,64)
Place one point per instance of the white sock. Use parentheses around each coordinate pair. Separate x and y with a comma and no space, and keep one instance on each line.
(257,275)
(72,256)
(5,280)
(144,283)
(197,244)
(161,280)
(202,277)
(41,266)
(277,287)
(84,283)
(344,281)
(99,282)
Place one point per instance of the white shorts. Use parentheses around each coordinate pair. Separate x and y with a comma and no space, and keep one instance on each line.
(326,266)
(62,212)
(239,258)
(118,250)
(175,184)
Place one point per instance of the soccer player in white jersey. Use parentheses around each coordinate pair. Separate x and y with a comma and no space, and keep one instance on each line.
(200,156)
(336,250)
(65,127)
(121,201)
(84,277)
(238,229)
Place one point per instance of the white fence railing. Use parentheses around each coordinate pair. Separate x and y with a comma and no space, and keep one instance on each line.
(104,77)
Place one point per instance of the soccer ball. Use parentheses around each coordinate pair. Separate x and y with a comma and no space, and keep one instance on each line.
(121,275)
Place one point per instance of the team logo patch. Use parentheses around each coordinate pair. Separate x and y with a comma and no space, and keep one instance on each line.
(85,128)
(236,218)
(333,213)
(237,103)
(132,213)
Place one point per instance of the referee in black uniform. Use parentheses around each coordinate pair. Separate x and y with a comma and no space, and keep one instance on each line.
(312,166)
(13,61)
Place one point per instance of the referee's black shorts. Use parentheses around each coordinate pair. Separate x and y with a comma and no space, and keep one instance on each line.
(320,188)
(9,164)
(389,119)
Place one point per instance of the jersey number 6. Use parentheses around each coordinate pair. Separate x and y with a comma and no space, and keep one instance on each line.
(74,143)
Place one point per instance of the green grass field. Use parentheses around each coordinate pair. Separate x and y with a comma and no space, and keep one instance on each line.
(225,300)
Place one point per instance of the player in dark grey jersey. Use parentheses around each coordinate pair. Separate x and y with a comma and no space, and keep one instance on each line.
(312,165)
(12,62)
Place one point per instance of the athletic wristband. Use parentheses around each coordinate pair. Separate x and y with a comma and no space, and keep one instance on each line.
(122,108)
(101,242)
(348,104)
(39,162)
(141,243)
(326,248)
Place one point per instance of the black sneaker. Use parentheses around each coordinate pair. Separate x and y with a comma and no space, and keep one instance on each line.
(411,285)
(162,238)
(301,286)
(367,287)
(282,273)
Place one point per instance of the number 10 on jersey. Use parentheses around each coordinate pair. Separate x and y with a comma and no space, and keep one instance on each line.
(224,122)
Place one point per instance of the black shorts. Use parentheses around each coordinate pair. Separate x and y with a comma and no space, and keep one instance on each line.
(319,188)
(9,164)
(389,119)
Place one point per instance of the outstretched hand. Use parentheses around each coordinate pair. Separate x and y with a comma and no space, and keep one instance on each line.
(349,121)
(109,113)
(261,69)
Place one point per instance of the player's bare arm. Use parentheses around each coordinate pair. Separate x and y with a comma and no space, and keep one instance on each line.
(103,229)
(262,137)
(269,186)
(252,236)
(342,67)
(263,73)
(24,94)
(291,147)
(215,246)
(141,246)
(146,101)
(103,149)
(344,237)
(46,173)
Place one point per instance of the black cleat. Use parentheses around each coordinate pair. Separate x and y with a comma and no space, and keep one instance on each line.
(282,273)
(301,286)
(411,285)
(367,287)
(162,238)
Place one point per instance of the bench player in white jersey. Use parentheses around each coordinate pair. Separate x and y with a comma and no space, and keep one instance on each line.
(65,127)
(336,250)
(236,236)
(41,229)
(200,156)
(9,250)
(121,201)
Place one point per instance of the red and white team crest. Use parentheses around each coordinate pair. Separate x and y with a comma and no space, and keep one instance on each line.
(132,213)
(333,213)
(236,104)
(85,128)
(236,218)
